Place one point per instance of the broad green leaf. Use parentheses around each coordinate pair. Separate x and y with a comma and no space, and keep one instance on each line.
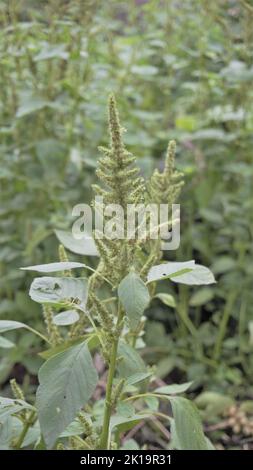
(175,442)
(32,435)
(11,429)
(67,382)
(6,366)
(6,343)
(30,105)
(6,433)
(59,290)
(188,427)
(168,270)
(138,377)
(91,339)
(152,403)
(66,318)
(125,409)
(167,299)
(123,423)
(134,296)
(209,444)
(17,427)
(184,273)
(73,429)
(54,267)
(129,362)
(223,264)
(201,297)
(165,366)
(85,246)
(200,275)
(7,325)
(213,403)
(173,389)
(9,406)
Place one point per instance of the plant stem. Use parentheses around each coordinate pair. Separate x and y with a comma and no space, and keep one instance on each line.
(242,321)
(223,324)
(182,311)
(25,429)
(37,333)
(108,403)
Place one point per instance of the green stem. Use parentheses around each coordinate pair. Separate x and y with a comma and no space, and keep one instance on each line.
(108,401)
(187,322)
(182,311)
(38,334)
(25,429)
(242,322)
(223,324)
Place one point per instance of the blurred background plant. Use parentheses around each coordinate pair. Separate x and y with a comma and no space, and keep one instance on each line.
(180,70)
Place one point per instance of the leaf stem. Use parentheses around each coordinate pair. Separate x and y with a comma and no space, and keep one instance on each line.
(148,394)
(38,334)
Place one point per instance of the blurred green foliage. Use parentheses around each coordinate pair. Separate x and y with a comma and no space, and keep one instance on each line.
(179,70)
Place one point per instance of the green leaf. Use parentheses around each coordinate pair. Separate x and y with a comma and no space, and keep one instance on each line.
(67,382)
(125,409)
(198,276)
(54,267)
(201,297)
(214,403)
(223,264)
(73,429)
(91,339)
(152,402)
(9,406)
(184,273)
(134,296)
(59,290)
(66,318)
(6,433)
(173,389)
(167,270)
(7,325)
(167,299)
(124,424)
(6,343)
(138,377)
(188,428)
(130,362)
(30,105)
(85,246)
